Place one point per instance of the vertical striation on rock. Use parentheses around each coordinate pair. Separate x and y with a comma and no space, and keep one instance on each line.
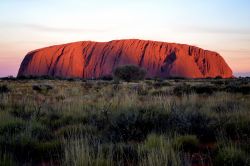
(95,59)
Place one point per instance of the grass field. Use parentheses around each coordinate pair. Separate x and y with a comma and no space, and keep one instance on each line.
(152,122)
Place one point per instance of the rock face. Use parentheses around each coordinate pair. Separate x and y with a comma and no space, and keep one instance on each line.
(95,59)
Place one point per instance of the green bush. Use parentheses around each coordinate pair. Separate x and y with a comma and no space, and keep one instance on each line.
(77,131)
(154,141)
(188,143)
(4,89)
(244,89)
(161,84)
(182,89)
(130,73)
(198,89)
(10,125)
(87,85)
(6,159)
(238,128)
(107,78)
(204,89)
(20,111)
(141,89)
(49,150)
(55,120)
(135,125)
(40,132)
(231,156)
(195,123)
(42,88)
(128,126)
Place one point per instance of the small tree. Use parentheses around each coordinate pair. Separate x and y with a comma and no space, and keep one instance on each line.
(130,73)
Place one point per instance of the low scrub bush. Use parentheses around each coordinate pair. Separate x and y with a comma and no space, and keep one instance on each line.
(198,89)
(10,125)
(161,84)
(231,156)
(182,89)
(244,89)
(107,77)
(129,73)
(77,131)
(189,143)
(20,111)
(4,89)
(238,128)
(135,125)
(128,126)
(40,132)
(6,159)
(42,88)
(194,122)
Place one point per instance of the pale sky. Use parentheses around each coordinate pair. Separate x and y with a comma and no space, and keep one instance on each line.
(218,25)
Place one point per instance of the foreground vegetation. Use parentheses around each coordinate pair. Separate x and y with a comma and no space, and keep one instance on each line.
(151,122)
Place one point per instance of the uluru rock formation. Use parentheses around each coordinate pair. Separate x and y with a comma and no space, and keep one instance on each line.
(96,59)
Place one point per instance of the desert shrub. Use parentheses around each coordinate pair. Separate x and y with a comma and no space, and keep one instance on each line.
(226,107)
(198,89)
(157,119)
(128,126)
(161,84)
(204,89)
(72,79)
(22,139)
(10,125)
(218,82)
(140,89)
(159,92)
(26,149)
(135,125)
(20,111)
(55,120)
(148,82)
(4,89)
(182,89)
(195,123)
(6,159)
(244,89)
(244,81)
(231,156)
(126,154)
(188,143)
(158,79)
(49,150)
(78,130)
(42,88)
(218,78)
(87,85)
(107,78)
(237,128)
(8,78)
(31,143)
(40,132)
(129,73)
